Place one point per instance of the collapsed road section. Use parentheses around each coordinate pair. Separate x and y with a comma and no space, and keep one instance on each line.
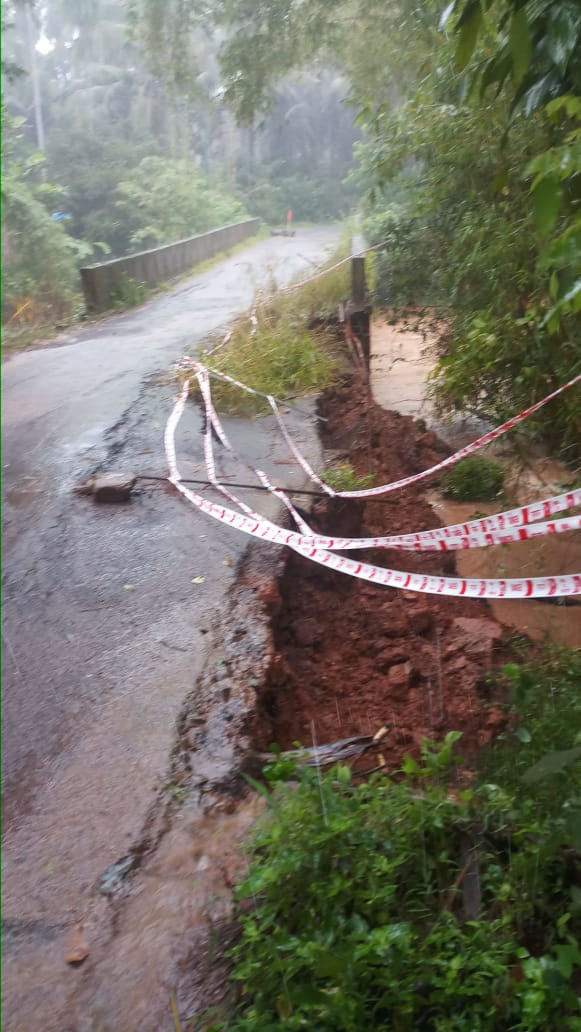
(300,654)
(343,657)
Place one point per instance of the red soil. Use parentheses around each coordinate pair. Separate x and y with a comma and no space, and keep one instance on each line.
(352,656)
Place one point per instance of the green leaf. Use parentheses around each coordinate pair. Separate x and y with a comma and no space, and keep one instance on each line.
(256,785)
(500,180)
(284,1007)
(446,15)
(569,104)
(468,35)
(551,763)
(523,734)
(539,94)
(573,297)
(520,44)
(563,30)
(496,70)
(546,201)
(567,957)
(328,965)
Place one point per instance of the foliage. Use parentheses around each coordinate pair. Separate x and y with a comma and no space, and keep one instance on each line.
(312,197)
(289,349)
(536,49)
(474,479)
(92,164)
(536,60)
(167,200)
(542,749)
(117,82)
(130,293)
(478,199)
(344,478)
(458,227)
(350,913)
(280,358)
(265,42)
(40,260)
(300,155)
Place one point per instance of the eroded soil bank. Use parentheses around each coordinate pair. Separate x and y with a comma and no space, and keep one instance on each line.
(351,656)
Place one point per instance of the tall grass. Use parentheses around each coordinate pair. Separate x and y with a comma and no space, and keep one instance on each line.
(289,351)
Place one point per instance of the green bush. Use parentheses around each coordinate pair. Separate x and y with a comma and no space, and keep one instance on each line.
(474,480)
(542,749)
(351,911)
(130,293)
(455,212)
(40,275)
(165,200)
(344,478)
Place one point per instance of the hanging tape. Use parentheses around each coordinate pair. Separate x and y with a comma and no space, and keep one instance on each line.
(256,526)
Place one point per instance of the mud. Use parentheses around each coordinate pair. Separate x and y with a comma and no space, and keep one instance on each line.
(351,656)
(404,354)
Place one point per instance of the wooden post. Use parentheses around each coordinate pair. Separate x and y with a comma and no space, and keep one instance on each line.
(358,284)
(358,308)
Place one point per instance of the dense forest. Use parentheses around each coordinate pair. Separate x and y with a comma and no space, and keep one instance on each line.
(128,124)
(105,153)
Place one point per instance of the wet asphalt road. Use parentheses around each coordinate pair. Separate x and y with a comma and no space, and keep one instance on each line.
(103,629)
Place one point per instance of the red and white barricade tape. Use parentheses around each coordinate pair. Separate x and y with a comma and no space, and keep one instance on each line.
(257,526)
(508,527)
(370,492)
(212,419)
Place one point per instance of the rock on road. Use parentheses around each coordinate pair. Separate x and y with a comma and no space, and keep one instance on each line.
(103,628)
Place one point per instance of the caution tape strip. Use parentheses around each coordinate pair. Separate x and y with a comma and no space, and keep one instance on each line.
(259,527)
(451,460)
(324,272)
(510,519)
(510,527)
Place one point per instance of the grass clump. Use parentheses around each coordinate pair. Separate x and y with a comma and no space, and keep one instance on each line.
(129,293)
(280,358)
(288,351)
(344,478)
(474,480)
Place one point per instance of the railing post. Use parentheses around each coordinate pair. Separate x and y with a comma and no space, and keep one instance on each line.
(357,311)
(358,283)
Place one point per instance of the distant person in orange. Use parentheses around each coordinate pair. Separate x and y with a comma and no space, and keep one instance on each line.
(289,217)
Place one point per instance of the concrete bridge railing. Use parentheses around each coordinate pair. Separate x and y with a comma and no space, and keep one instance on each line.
(104,283)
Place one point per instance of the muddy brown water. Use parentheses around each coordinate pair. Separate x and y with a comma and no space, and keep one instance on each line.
(403,356)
